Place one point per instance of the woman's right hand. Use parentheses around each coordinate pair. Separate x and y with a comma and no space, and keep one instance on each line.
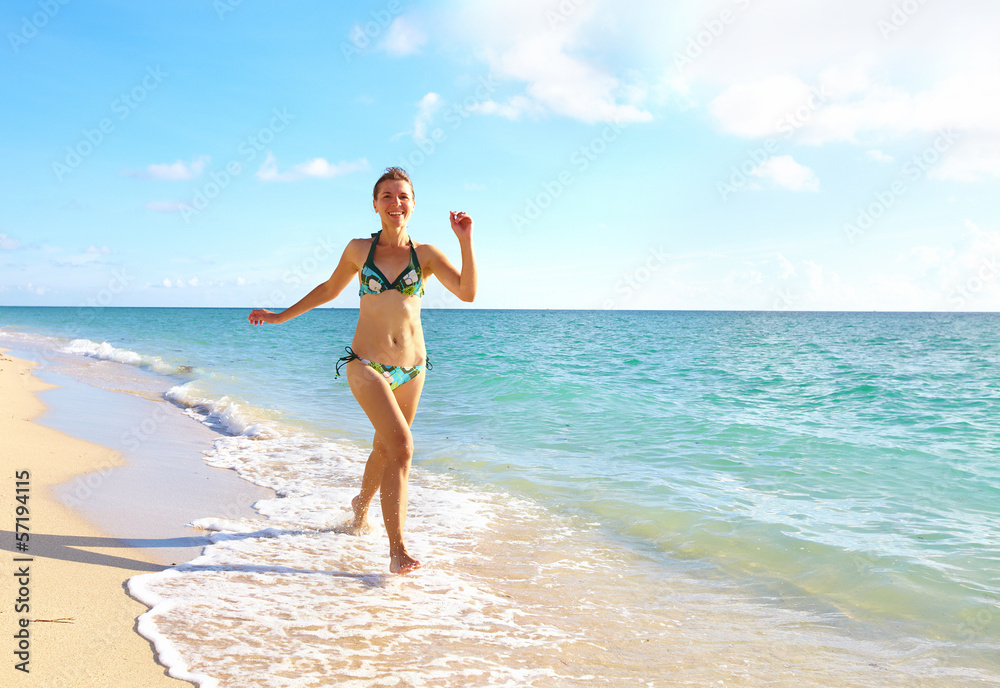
(262,315)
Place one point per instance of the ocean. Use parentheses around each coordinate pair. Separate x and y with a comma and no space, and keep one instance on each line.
(600,498)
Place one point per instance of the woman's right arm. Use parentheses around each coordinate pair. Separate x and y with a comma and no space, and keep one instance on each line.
(342,276)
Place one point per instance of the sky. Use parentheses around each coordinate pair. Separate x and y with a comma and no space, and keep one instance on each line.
(716,154)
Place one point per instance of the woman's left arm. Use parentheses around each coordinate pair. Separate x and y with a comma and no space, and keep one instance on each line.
(461,284)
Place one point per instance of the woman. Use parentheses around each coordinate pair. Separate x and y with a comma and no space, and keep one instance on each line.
(387,358)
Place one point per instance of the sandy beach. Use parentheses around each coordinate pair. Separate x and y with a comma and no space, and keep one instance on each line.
(81,630)
(70,581)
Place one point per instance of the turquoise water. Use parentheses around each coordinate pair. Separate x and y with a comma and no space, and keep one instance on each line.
(824,461)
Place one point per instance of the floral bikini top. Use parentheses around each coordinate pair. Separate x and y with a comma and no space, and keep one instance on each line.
(409,282)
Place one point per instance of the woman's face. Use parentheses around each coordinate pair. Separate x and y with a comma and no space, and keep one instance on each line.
(394,202)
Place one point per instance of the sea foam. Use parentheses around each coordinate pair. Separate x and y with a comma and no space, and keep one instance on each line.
(314,592)
(223,413)
(106,352)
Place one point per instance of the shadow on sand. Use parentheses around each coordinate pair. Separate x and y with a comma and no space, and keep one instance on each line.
(75,548)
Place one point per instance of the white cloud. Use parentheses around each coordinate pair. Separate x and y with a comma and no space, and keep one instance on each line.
(814,274)
(174,171)
(8,243)
(975,156)
(787,267)
(784,104)
(773,105)
(403,37)
(879,156)
(843,81)
(783,172)
(963,274)
(426,108)
(958,271)
(513,109)
(180,283)
(541,45)
(773,283)
(969,103)
(936,68)
(316,168)
(100,250)
(564,84)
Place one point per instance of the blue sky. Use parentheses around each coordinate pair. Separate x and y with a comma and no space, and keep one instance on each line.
(733,154)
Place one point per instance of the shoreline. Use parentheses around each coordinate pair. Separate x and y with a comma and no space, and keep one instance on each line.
(75,571)
(164,480)
(80,620)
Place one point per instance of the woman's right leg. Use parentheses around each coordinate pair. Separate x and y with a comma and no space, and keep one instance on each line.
(393,430)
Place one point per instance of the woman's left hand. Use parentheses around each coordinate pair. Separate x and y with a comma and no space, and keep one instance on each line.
(461,224)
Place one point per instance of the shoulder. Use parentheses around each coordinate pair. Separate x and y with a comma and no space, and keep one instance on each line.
(363,241)
(357,250)
(426,252)
(430,257)
(425,249)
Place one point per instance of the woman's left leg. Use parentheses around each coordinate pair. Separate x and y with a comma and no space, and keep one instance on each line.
(407,397)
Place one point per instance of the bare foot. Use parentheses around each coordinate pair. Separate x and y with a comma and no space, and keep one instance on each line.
(359,526)
(360,515)
(403,563)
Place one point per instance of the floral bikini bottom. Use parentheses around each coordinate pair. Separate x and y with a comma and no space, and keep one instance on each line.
(394,375)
